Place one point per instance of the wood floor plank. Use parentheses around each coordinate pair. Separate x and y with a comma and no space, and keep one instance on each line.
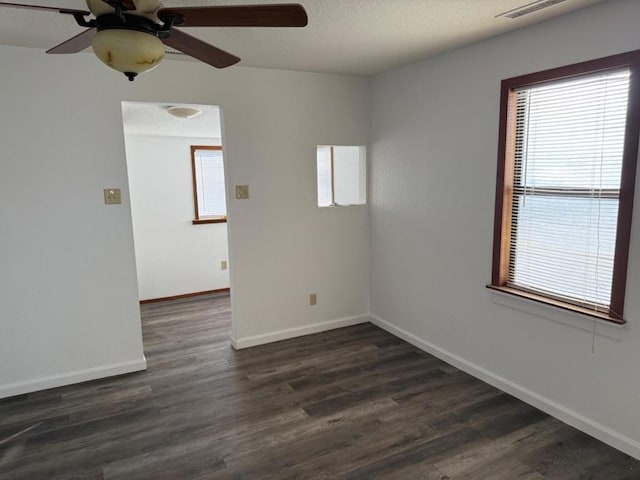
(351,403)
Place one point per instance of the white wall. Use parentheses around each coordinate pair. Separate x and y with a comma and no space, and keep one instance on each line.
(173,256)
(68,293)
(434,152)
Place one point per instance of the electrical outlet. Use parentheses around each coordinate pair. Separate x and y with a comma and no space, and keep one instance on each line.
(223,265)
(112,196)
(242,192)
(313,298)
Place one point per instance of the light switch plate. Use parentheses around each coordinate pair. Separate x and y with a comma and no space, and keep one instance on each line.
(223,265)
(112,196)
(242,192)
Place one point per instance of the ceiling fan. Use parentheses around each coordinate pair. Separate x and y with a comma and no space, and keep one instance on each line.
(128,35)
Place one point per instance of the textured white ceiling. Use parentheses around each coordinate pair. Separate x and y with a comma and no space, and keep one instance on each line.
(141,118)
(360,37)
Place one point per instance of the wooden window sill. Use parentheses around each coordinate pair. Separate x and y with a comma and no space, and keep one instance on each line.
(558,304)
(202,221)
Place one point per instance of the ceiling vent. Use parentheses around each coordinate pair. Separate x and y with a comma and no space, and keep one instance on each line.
(529,8)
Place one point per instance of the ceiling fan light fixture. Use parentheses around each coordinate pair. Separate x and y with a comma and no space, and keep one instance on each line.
(184,112)
(129,35)
(128,51)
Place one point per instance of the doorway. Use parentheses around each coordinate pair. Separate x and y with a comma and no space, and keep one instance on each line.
(176,169)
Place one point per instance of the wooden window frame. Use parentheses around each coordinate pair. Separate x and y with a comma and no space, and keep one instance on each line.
(198,220)
(505,181)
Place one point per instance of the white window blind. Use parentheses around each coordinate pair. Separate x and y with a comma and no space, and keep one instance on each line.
(210,183)
(325,191)
(569,144)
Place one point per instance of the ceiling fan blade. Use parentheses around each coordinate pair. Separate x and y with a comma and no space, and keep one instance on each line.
(40,7)
(75,44)
(198,49)
(274,15)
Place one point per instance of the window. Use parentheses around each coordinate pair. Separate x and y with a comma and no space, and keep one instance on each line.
(208,185)
(341,175)
(566,170)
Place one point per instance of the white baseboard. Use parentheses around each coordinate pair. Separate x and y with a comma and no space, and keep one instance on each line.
(240,343)
(77,376)
(566,415)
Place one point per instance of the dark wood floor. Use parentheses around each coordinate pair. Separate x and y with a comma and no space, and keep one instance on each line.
(354,403)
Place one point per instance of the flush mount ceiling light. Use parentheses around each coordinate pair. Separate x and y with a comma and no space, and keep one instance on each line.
(184,112)
(129,35)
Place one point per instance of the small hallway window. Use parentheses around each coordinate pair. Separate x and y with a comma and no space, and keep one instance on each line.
(342,175)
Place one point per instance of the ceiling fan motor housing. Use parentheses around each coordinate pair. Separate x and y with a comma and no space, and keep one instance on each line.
(142,8)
